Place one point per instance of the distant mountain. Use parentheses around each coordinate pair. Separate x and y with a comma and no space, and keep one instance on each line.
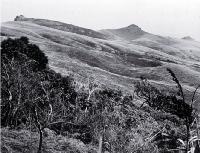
(114,57)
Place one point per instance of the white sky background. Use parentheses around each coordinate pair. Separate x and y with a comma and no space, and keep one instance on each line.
(176,18)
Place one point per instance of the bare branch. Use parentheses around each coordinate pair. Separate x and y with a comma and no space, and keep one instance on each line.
(177,82)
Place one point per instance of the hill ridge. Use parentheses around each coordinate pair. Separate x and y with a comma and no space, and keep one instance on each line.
(62,26)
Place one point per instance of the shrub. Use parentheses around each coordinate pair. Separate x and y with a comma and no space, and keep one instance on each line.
(14,48)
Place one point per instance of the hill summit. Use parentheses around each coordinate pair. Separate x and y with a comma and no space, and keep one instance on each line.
(130,32)
(132,27)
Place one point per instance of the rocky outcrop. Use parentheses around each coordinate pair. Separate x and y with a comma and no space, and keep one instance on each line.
(187,38)
(19,18)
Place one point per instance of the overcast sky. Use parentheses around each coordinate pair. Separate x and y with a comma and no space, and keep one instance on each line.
(176,18)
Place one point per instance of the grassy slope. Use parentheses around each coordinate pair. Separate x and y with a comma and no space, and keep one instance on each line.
(116,62)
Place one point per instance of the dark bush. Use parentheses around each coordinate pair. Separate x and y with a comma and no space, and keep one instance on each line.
(14,48)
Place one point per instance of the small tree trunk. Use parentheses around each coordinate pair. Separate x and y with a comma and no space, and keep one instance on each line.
(40,132)
(100,144)
(197,148)
(40,141)
(197,127)
(187,138)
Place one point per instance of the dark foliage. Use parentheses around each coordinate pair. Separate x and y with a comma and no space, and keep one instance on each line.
(108,98)
(14,48)
(162,101)
(64,128)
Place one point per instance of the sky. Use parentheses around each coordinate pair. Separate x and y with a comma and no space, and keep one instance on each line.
(175,18)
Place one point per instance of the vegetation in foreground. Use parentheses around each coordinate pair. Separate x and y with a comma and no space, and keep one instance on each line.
(87,118)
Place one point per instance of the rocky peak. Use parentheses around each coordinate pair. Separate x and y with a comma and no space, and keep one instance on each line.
(19,18)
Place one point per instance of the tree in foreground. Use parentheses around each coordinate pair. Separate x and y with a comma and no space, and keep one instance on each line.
(31,93)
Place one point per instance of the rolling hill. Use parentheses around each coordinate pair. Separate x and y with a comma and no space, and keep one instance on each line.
(114,57)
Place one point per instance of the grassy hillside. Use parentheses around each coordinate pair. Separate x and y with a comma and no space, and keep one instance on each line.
(117,61)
